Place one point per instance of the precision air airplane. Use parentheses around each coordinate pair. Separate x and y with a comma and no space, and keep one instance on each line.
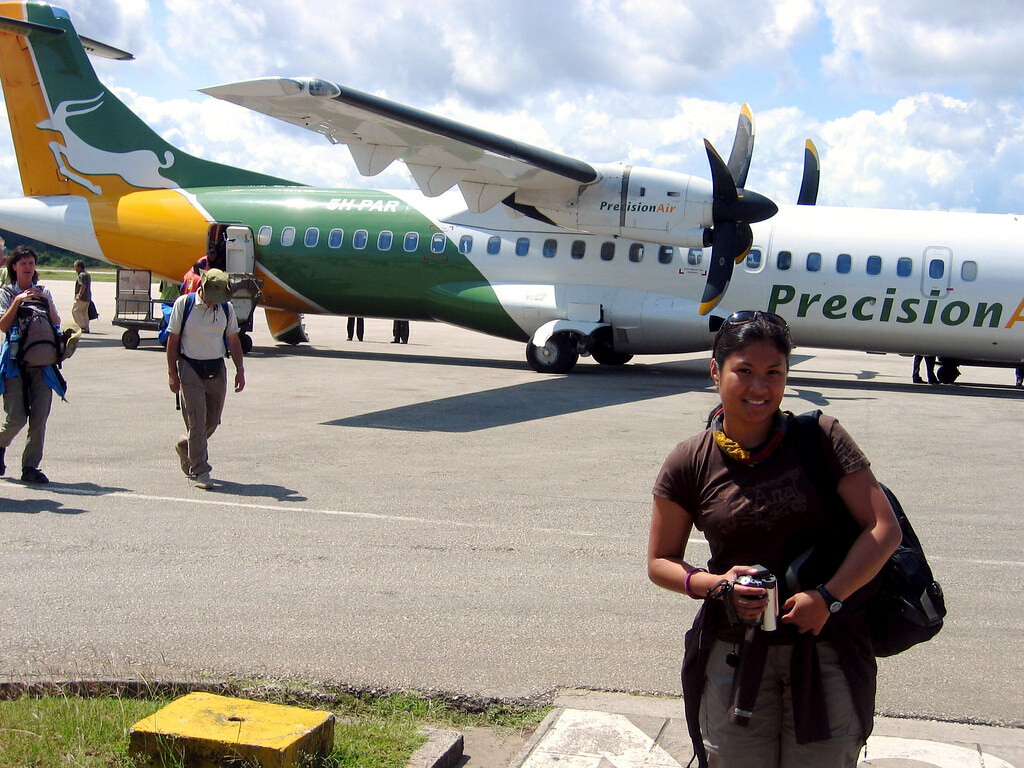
(570,257)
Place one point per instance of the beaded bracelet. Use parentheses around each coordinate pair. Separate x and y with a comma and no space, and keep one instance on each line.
(686,582)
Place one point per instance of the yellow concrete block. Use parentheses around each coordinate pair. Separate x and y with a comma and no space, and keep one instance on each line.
(209,731)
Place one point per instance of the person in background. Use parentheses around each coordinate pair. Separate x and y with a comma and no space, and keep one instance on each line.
(400,330)
(27,391)
(355,325)
(83,296)
(202,329)
(929,365)
(192,278)
(742,484)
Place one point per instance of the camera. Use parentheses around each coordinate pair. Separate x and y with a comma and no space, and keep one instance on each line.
(766,580)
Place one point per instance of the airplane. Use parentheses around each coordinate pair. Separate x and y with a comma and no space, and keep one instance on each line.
(573,258)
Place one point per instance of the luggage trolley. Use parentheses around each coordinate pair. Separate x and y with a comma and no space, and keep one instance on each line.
(136,309)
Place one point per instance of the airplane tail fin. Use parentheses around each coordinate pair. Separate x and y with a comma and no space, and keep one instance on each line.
(72,136)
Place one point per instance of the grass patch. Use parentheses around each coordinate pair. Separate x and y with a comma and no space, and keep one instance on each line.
(60,729)
(98,275)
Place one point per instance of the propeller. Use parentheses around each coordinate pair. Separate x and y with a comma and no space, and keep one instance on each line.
(733,210)
(812,172)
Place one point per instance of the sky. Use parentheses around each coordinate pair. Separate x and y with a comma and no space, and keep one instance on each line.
(911,103)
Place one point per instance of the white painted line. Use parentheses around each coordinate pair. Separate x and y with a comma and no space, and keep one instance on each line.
(292,509)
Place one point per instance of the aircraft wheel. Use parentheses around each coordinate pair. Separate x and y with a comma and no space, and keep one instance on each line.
(947,374)
(130,339)
(559,355)
(246,342)
(608,356)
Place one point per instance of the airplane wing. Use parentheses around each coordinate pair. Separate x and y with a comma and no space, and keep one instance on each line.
(439,153)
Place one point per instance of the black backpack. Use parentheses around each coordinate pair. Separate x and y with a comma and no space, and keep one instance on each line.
(904,603)
(39,344)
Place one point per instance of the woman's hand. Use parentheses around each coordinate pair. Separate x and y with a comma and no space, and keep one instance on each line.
(807,611)
(749,602)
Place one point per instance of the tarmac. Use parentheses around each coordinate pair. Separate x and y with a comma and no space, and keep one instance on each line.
(593,729)
(427,406)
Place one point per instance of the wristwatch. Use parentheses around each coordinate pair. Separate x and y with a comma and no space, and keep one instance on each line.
(834,604)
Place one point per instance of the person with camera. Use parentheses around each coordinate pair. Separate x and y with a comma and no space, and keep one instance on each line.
(27,389)
(759,695)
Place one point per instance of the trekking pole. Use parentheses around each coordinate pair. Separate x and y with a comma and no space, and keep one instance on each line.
(177,401)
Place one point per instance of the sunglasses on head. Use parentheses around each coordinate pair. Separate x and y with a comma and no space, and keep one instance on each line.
(750,315)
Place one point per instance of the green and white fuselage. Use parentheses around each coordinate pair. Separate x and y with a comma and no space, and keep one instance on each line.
(503,238)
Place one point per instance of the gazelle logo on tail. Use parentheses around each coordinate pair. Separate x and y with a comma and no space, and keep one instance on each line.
(139,167)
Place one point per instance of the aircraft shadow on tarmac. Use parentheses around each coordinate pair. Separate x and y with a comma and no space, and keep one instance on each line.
(593,387)
(588,388)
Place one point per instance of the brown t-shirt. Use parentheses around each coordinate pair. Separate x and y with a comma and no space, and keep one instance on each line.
(763,515)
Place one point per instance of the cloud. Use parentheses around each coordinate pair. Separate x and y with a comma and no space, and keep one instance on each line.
(606,81)
(889,45)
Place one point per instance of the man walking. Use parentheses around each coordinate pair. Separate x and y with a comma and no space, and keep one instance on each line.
(201,330)
(83,297)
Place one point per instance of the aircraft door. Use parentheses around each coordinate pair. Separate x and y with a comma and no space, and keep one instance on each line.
(239,254)
(936,272)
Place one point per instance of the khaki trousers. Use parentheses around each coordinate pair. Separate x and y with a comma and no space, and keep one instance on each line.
(80,311)
(40,398)
(769,741)
(202,403)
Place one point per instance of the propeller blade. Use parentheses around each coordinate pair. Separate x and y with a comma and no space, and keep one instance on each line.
(812,172)
(742,147)
(720,271)
(732,212)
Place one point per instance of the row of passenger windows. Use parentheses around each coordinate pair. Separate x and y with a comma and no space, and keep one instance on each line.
(410,242)
(784,260)
(814,261)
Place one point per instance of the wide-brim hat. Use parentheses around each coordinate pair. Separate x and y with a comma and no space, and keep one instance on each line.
(215,285)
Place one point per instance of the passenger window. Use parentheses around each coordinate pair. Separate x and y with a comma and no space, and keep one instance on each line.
(936,269)
(665,254)
(466,244)
(784,260)
(312,237)
(874,266)
(384,240)
(437,243)
(694,256)
(264,236)
(522,246)
(550,248)
(843,263)
(607,250)
(360,238)
(287,235)
(334,238)
(579,247)
(636,252)
(754,259)
(904,266)
(494,245)
(813,262)
(968,270)
(411,242)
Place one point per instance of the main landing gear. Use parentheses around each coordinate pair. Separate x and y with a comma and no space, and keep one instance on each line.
(563,350)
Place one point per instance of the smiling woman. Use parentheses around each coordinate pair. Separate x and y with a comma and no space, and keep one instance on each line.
(742,484)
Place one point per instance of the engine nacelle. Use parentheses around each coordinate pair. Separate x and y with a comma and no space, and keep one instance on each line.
(634,202)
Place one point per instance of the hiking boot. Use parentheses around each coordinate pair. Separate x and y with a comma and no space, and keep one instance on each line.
(201,481)
(182,451)
(918,379)
(34,476)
